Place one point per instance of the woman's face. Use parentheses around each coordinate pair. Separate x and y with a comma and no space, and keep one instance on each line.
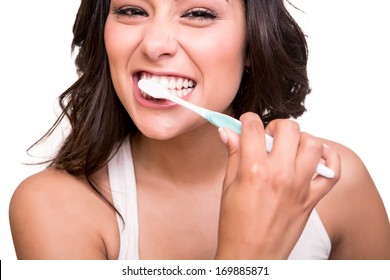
(196,48)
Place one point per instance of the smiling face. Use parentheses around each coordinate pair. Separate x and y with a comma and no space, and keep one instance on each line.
(194,47)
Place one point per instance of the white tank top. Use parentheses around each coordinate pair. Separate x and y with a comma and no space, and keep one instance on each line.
(314,242)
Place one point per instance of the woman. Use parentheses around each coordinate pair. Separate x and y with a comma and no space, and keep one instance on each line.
(144,178)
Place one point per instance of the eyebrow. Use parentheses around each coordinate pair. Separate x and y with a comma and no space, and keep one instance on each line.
(225,0)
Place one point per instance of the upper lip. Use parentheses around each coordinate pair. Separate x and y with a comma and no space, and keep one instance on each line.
(168,74)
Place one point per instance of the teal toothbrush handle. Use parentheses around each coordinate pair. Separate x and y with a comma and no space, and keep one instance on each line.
(222,120)
(225,121)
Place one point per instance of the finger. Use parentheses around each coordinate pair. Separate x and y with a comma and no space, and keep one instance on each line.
(252,145)
(322,185)
(286,134)
(309,155)
(232,142)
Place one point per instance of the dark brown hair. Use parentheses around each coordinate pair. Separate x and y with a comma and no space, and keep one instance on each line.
(275,86)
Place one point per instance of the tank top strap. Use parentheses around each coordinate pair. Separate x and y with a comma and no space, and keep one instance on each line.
(124,194)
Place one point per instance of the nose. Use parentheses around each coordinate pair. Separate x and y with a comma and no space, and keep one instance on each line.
(159,41)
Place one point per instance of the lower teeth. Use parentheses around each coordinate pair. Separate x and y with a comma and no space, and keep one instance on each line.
(148,97)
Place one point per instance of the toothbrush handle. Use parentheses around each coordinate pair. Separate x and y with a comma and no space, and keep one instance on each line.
(222,120)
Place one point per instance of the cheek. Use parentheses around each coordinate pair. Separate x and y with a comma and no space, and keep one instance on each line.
(119,47)
(114,43)
(109,39)
(222,67)
(120,44)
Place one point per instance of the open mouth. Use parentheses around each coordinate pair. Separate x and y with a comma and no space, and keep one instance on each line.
(177,86)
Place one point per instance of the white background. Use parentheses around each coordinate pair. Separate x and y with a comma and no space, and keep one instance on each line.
(348,68)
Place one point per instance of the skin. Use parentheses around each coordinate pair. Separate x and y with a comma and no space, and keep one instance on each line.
(240,185)
(169,41)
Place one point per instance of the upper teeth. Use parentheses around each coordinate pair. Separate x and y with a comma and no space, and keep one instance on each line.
(177,86)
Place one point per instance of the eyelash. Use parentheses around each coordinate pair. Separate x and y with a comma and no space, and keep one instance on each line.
(200,14)
(194,14)
(129,11)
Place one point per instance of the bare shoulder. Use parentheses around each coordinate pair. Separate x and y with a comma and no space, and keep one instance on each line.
(353,212)
(54,215)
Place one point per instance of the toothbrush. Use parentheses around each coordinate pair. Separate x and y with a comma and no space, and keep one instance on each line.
(156,90)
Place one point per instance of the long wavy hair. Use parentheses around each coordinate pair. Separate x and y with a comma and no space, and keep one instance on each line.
(275,86)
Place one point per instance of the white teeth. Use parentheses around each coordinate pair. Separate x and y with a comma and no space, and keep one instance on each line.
(176,86)
(172,84)
(179,83)
(185,83)
(164,82)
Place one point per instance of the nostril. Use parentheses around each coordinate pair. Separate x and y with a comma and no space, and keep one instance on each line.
(158,42)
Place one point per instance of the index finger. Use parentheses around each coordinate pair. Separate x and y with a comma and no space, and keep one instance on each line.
(252,142)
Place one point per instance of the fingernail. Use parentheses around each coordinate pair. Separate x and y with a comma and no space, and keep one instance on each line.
(223,135)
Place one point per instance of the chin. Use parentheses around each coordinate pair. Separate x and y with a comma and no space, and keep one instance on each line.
(159,132)
(165,128)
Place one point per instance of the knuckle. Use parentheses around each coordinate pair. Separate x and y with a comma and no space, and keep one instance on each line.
(290,125)
(286,125)
(281,179)
(251,121)
(254,171)
(311,143)
(254,174)
(249,115)
(293,126)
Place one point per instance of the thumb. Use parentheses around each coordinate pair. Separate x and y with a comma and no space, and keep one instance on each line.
(232,142)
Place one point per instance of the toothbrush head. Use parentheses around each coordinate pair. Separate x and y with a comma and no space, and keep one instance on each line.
(153,89)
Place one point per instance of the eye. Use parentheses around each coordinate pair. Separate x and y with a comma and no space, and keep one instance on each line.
(200,14)
(129,12)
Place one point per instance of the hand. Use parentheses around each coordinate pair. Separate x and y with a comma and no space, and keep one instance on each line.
(267,198)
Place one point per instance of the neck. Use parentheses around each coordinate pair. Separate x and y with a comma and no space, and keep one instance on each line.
(189,159)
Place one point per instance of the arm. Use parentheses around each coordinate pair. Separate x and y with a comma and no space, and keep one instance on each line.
(354,214)
(53,216)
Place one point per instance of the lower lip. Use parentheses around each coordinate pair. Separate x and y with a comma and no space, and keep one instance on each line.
(159,104)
